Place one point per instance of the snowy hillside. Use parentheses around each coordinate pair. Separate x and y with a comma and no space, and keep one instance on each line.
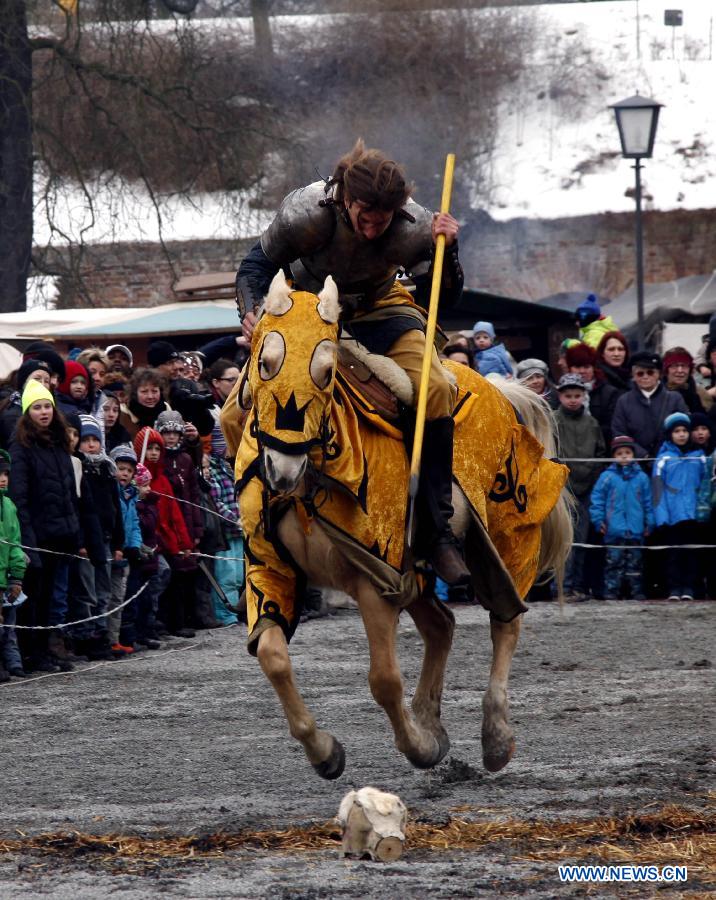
(548,166)
(556,155)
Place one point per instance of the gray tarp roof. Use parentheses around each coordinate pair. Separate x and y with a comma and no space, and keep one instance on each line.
(686,299)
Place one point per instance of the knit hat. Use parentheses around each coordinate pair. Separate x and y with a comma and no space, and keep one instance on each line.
(677,418)
(33,392)
(529,367)
(487,327)
(580,355)
(678,355)
(153,437)
(169,420)
(142,476)
(4,462)
(43,350)
(89,427)
(622,440)
(73,370)
(589,309)
(160,352)
(699,418)
(27,368)
(569,381)
(122,349)
(124,453)
(194,358)
(647,359)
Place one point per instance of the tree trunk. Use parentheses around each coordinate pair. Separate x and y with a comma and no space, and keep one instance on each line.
(15,156)
(263,45)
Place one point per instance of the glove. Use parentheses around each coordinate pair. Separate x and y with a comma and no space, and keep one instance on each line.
(132,554)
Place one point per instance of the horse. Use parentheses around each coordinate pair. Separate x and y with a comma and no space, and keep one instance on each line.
(321,481)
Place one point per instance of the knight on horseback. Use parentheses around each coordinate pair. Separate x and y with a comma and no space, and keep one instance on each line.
(361,227)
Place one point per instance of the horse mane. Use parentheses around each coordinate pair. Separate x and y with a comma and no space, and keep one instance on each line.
(557,529)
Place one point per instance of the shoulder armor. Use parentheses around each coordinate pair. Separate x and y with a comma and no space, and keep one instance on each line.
(411,240)
(302,225)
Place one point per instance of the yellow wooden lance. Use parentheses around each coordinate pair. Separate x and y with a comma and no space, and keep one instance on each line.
(429,342)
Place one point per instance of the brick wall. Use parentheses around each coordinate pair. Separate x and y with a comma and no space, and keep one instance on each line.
(522,258)
(530,259)
(136,274)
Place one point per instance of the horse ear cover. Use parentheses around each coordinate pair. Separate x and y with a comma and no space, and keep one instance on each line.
(278,300)
(329,308)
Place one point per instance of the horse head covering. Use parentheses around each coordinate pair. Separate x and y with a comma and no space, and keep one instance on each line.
(291,400)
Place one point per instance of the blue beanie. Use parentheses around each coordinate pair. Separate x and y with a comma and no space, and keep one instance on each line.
(124,453)
(677,418)
(487,327)
(590,307)
(89,427)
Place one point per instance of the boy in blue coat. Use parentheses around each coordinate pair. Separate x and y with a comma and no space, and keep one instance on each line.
(676,479)
(489,356)
(621,510)
(125,460)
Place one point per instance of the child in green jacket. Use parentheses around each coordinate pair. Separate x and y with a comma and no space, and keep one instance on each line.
(13,563)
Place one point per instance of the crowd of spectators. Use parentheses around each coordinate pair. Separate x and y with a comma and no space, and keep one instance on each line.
(638,432)
(115,494)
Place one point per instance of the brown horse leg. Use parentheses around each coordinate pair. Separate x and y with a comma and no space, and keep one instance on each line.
(498,743)
(380,620)
(436,625)
(324,752)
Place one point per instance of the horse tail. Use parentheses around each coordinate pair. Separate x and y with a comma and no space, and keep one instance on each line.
(557,528)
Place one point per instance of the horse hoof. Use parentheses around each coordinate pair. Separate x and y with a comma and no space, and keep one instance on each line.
(443,744)
(429,762)
(494,760)
(332,767)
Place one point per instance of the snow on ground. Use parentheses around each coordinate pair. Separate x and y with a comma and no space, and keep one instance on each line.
(549,162)
(122,212)
(550,165)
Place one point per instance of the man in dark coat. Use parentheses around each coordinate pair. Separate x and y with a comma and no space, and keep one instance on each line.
(640,413)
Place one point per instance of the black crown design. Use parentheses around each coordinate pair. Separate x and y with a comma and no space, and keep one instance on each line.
(290,417)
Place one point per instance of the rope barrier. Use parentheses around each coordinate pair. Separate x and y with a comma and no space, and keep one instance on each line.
(101,665)
(233,522)
(645,546)
(637,459)
(78,621)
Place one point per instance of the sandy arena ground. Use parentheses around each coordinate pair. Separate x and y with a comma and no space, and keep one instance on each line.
(614,710)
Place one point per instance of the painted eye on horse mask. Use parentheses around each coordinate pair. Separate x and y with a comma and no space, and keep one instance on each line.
(272,355)
(323,363)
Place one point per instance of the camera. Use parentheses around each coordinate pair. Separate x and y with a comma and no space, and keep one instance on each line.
(194,404)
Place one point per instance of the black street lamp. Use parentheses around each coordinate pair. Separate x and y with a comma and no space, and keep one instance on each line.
(637,119)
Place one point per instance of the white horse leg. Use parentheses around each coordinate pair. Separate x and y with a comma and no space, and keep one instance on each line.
(380,620)
(498,743)
(324,752)
(436,625)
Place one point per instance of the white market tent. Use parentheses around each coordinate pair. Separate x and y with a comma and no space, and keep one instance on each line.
(113,325)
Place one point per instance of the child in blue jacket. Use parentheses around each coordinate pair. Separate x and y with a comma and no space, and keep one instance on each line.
(489,356)
(676,479)
(621,509)
(125,460)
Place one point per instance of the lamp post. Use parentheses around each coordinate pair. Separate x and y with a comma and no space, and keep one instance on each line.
(637,119)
